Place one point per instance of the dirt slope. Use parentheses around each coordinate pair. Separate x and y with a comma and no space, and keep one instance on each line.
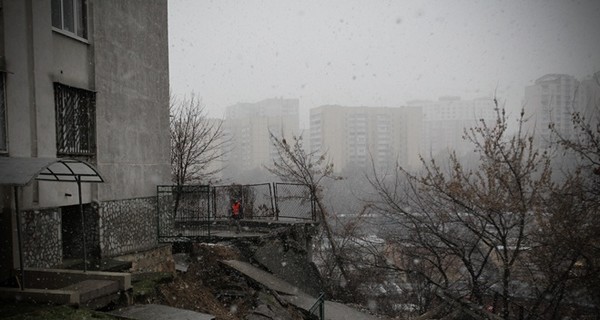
(210,288)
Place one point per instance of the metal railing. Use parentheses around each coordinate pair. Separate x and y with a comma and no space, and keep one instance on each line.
(294,202)
(318,309)
(256,199)
(187,212)
(183,212)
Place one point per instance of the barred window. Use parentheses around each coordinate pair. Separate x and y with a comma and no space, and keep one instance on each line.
(70,16)
(3,128)
(75,120)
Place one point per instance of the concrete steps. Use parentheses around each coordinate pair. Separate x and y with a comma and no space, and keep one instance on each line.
(106,264)
(62,286)
(88,290)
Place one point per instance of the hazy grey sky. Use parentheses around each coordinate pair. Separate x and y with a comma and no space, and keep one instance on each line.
(375,53)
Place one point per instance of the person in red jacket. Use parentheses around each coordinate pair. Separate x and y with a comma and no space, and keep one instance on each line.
(236,214)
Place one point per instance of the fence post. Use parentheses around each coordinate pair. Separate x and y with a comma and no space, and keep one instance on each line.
(319,306)
(158,214)
(209,203)
(271,198)
(276,201)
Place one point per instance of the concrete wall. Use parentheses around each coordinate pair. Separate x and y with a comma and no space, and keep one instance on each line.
(19,98)
(157,259)
(133,95)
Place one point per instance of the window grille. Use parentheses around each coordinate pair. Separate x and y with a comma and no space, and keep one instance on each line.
(75,120)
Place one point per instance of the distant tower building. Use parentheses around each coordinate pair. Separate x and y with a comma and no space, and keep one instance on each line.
(352,136)
(552,99)
(445,121)
(247,127)
(213,171)
(588,98)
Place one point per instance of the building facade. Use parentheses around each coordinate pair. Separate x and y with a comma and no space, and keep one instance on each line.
(551,99)
(355,138)
(247,129)
(445,121)
(588,99)
(88,80)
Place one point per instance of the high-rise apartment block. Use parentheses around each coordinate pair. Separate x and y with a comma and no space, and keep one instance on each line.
(445,121)
(357,137)
(588,98)
(551,99)
(247,128)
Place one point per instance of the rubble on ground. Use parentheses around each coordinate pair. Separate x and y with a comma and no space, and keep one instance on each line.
(208,287)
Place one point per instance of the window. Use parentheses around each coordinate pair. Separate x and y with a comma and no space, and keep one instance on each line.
(75,120)
(70,16)
(3,129)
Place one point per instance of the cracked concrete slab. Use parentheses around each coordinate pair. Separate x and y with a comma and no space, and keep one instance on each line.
(266,278)
(295,296)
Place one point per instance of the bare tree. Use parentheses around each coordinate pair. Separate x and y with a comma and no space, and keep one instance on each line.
(576,226)
(196,142)
(470,232)
(296,165)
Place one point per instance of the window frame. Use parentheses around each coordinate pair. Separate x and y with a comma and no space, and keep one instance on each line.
(77,21)
(69,136)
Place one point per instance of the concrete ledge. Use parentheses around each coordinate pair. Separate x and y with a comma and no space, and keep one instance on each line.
(54,279)
(40,295)
(92,289)
(155,259)
(76,294)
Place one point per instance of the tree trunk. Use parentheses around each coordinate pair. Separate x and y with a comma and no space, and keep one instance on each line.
(505,293)
(334,250)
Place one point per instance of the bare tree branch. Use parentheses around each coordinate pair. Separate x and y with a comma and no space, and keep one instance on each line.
(296,165)
(196,142)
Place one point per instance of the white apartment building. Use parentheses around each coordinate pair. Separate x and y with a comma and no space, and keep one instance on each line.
(246,132)
(355,138)
(445,121)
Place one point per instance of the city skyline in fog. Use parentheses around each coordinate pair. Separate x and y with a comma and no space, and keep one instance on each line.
(357,53)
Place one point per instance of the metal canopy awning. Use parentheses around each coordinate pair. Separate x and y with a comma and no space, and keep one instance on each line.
(19,172)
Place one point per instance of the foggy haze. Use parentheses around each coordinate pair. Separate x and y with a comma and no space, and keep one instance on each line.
(375,53)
